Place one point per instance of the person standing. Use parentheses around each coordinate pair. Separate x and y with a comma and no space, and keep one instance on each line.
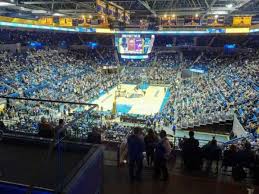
(191,153)
(162,152)
(150,142)
(136,148)
(60,130)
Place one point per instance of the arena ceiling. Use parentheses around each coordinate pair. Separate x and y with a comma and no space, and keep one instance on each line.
(138,8)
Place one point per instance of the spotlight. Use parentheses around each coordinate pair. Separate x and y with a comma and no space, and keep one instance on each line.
(229,5)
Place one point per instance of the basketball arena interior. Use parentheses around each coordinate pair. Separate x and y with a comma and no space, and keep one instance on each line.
(129,96)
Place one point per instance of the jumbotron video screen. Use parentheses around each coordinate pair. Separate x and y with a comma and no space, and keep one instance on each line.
(134,44)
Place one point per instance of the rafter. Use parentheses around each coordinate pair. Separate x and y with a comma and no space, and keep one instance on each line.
(140,7)
(146,5)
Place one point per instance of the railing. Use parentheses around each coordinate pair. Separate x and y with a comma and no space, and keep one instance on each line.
(23,115)
(20,119)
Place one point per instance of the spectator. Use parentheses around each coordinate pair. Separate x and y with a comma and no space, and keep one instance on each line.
(245,157)
(191,153)
(150,142)
(136,147)
(45,129)
(59,130)
(229,157)
(162,153)
(212,152)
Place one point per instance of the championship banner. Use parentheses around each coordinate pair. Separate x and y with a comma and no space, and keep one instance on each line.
(45,21)
(75,22)
(81,21)
(120,15)
(180,21)
(188,20)
(101,7)
(221,20)
(168,21)
(127,17)
(196,21)
(173,21)
(88,20)
(213,21)
(111,11)
(143,24)
(55,20)
(242,21)
(68,22)
(17,20)
(165,21)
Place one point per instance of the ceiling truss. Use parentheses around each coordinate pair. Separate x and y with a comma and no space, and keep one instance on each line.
(141,8)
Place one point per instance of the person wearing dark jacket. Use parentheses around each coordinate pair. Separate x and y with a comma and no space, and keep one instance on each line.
(162,152)
(191,153)
(136,147)
(45,129)
(60,130)
(150,142)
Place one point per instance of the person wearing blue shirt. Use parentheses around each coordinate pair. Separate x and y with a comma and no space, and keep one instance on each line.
(136,148)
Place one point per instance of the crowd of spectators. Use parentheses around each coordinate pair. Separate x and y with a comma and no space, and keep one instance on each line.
(230,84)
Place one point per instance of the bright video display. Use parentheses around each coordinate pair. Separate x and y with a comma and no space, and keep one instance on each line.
(134,43)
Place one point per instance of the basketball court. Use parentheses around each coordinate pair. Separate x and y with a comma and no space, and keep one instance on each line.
(132,100)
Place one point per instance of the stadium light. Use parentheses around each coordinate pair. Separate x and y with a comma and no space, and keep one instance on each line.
(216,16)
(58,14)
(229,5)
(39,11)
(5,4)
(196,15)
(24,9)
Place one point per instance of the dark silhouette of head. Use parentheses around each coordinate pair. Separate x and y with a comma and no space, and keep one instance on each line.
(61,122)
(162,134)
(136,131)
(191,134)
(150,132)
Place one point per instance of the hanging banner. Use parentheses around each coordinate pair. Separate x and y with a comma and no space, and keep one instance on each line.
(168,21)
(196,21)
(180,21)
(127,17)
(215,21)
(143,24)
(188,20)
(68,22)
(101,7)
(173,21)
(242,21)
(120,15)
(45,21)
(111,11)
(165,21)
